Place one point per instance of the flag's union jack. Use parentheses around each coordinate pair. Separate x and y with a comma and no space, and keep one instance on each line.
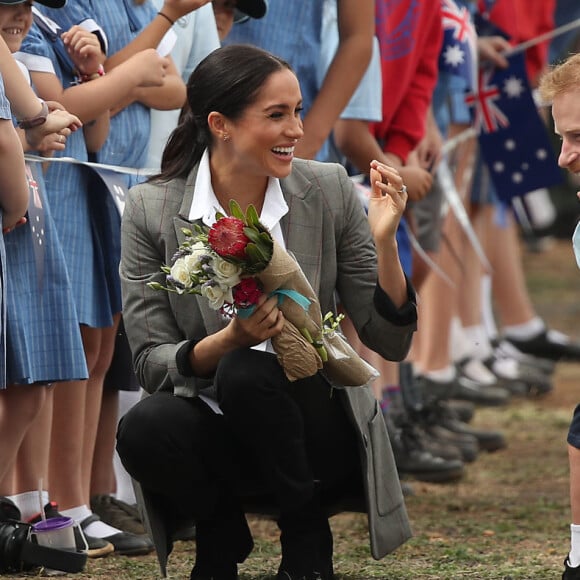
(513,139)
(459,51)
(488,116)
(456,19)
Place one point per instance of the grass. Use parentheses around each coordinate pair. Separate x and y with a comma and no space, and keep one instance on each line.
(507,519)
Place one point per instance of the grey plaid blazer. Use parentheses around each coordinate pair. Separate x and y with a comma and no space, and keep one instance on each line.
(327,232)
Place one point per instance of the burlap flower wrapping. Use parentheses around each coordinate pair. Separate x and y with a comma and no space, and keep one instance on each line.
(298,356)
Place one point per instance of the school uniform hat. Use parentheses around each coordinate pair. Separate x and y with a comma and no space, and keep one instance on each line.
(250,9)
(49,3)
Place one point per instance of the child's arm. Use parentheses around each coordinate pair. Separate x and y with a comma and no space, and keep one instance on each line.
(95,97)
(13,184)
(88,57)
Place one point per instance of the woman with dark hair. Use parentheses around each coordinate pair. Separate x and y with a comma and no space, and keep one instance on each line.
(224,427)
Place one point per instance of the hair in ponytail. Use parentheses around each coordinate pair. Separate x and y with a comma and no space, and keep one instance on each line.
(227,81)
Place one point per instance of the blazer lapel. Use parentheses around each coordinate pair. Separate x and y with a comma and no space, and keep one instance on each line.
(304,244)
(212,319)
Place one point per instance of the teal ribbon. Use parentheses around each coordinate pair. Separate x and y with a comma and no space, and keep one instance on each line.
(300,299)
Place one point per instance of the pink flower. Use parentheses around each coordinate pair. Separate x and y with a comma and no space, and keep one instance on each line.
(228,239)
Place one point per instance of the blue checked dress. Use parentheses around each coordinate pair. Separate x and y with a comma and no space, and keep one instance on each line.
(43,336)
(86,219)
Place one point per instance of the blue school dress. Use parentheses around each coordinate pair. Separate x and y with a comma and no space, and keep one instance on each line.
(86,218)
(43,338)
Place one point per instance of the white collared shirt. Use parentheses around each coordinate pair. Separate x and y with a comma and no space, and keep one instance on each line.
(205,204)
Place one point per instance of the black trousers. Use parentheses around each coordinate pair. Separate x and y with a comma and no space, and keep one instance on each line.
(276,438)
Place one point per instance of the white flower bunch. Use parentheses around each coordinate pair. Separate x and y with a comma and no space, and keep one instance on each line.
(197,269)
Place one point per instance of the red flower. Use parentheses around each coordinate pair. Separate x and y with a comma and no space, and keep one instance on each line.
(247,292)
(227,238)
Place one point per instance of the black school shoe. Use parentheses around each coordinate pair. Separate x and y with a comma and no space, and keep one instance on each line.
(124,543)
(8,510)
(549,344)
(569,572)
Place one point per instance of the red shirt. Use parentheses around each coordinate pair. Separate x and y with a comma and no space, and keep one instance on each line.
(410,34)
(524,20)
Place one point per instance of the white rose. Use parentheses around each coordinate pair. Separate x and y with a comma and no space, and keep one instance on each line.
(193,259)
(180,273)
(217,295)
(226,273)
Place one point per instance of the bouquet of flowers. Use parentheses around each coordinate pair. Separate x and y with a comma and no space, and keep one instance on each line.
(236,261)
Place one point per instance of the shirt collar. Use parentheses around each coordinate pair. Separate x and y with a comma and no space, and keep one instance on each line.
(205,203)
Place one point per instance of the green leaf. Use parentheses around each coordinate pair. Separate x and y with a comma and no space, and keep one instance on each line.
(306,334)
(252,234)
(252,216)
(255,256)
(236,210)
(155,286)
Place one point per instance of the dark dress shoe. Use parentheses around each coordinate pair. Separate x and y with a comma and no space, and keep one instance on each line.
(286,576)
(219,572)
(569,572)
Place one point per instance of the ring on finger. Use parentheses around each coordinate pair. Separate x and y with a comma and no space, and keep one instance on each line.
(403,189)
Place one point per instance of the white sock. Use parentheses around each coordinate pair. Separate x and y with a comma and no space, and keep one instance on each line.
(29,503)
(458,345)
(444,375)
(100,530)
(96,529)
(574,556)
(475,370)
(526,330)
(478,341)
(487,314)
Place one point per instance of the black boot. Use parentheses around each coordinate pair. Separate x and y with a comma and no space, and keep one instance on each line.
(307,543)
(221,543)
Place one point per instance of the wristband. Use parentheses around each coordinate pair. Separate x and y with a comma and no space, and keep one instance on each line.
(31,122)
(163,15)
(86,78)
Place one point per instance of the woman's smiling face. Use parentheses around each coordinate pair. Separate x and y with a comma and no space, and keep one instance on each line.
(262,140)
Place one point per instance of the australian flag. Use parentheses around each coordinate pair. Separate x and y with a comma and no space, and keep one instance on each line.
(514,140)
(458,54)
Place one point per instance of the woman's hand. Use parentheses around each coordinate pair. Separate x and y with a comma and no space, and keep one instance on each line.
(387,202)
(265,322)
